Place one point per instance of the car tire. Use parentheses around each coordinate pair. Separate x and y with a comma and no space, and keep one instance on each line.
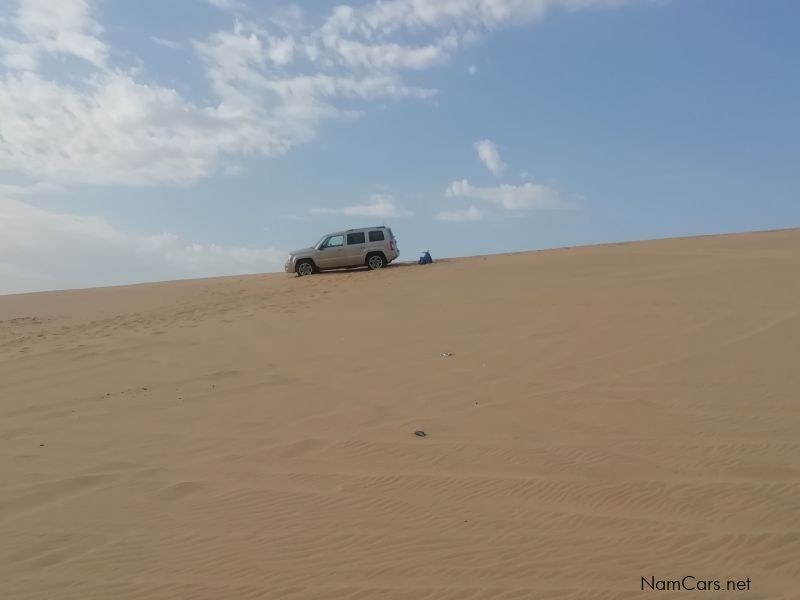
(305,267)
(376,261)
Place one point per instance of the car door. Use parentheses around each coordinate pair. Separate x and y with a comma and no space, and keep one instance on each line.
(355,248)
(376,242)
(332,253)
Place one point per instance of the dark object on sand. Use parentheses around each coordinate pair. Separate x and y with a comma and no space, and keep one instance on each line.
(420,433)
(425,259)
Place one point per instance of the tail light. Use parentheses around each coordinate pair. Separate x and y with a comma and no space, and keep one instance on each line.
(392,245)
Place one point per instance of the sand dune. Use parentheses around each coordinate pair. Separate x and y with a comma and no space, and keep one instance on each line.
(608,413)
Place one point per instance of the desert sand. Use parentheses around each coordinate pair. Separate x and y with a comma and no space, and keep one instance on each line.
(605,414)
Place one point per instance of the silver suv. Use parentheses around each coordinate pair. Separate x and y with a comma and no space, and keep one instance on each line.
(373,247)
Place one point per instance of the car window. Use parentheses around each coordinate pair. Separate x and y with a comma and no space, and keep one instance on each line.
(376,236)
(334,241)
(355,238)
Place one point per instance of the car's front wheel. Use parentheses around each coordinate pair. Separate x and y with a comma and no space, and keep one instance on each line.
(376,261)
(305,267)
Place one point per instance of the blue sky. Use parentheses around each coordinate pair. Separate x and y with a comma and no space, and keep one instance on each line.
(183,138)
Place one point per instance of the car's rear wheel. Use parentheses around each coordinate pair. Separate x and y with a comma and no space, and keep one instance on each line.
(305,267)
(376,261)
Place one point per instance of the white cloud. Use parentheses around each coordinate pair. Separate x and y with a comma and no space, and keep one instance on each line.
(46,27)
(529,196)
(117,131)
(113,129)
(490,156)
(227,4)
(166,43)
(469,214)
(387,16)
(234,170)
(17,190)
(472,69)
(379,205)
(41,250)
(7,189)
(271,85)
(389,56)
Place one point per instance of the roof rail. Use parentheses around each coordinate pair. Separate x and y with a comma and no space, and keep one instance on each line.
(372,227)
